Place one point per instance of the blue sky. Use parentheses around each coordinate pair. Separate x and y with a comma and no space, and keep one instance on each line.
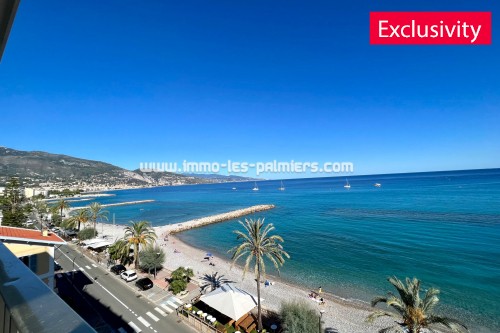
(124,82)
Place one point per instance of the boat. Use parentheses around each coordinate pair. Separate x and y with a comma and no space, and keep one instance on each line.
(234,188)
(377,185)
(282,187)
(256,188)
(347,185)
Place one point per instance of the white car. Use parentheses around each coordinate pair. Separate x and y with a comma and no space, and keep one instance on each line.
(129,275)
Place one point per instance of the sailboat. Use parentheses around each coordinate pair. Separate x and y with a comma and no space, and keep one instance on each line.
(282,187)
(377,185)
(256,188)
(347,185)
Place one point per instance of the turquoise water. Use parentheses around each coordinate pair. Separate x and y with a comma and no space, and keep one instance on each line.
(443,228)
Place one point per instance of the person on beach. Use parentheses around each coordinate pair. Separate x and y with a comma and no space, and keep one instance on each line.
(320,290)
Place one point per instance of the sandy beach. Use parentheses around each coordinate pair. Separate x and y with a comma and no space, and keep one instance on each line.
(343,315)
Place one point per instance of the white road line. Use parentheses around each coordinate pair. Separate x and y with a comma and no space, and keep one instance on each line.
(172,304)
(134,327)
(81,268)
(122,330)
(176,300)
(143,321)
(152,316)
(87,267)
(169,310)
(160,311)
(94,265)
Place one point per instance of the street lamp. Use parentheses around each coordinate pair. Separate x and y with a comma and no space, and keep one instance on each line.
(320,316)
(158,255)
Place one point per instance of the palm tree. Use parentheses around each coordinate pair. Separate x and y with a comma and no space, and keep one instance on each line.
(213,281)
(96,212)
(256,244)
(120,250)
(81,216)
(139,233)
(416,313)
(61,205)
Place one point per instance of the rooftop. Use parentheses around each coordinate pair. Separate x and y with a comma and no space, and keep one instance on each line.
(28,236)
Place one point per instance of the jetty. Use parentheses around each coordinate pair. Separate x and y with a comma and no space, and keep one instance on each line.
(196,223)
(115,204)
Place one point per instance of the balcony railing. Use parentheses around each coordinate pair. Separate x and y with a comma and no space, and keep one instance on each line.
(29,305)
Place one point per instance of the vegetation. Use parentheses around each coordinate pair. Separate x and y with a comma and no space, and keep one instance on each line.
(87,233)
(65,193)
(214,281)
(120,250)
(14,206)
(139,234)
(56,218)
(75,221)
(416,313)
(61,205)
(257,244)
(97,213)
(152,258)
(180,279)
(299,317)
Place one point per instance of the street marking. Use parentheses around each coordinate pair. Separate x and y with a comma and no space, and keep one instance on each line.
(176,300)
(134,327)
(122,330)
(172,304)
(94,265)
(143,321)
(169,310)
(152,316)
(87,267)
(160,311)
(81,268)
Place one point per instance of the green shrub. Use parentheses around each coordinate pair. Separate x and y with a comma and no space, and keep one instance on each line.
(87,233)
(179,279)
(299,317)
(177,286)
(152,257)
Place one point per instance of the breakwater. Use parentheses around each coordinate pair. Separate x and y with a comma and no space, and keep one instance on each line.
(196,223)
(115,204)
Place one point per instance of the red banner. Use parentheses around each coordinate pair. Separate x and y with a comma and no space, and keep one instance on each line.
(446,28)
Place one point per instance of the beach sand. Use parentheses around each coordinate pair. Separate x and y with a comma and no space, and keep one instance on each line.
(343,315)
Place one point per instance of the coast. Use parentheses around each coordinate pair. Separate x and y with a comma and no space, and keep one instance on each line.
(346,316)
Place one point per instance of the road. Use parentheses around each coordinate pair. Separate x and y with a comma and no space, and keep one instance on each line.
(108,303)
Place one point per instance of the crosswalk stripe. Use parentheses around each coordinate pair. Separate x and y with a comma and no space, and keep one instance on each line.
(172,304)
(87,267)
(152,316)
(94,265)
(160,311)
(176,300)
(134,327)
(143,321)
(122,330)
(169,310)
(81,268)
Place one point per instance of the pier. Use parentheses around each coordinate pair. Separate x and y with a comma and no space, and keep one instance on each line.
(196,223)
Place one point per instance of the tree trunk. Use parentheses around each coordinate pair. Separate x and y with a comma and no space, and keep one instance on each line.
(136,256)
(259,314)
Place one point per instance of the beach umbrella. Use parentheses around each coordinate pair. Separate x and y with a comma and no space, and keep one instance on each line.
(230,301)
(208,254)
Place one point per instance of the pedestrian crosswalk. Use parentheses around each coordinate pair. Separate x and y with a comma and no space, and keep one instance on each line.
(152,316)
(164,309)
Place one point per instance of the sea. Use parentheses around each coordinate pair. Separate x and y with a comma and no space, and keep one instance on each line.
(441,227)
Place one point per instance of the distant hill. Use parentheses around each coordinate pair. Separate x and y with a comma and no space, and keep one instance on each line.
(37,168)
(220,178)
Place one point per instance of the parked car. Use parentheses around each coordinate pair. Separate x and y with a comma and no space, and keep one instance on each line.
(118,269)
(144,283)
(129,275)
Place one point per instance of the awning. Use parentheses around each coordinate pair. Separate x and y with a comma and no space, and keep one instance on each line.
(230,301)
(100,244)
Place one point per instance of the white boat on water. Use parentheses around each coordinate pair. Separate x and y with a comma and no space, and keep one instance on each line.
(347,185)
(282,187)
(377,185)
(234,188)
(256,188)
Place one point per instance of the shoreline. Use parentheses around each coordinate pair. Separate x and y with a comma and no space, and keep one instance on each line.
(126,203)
(345,315)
